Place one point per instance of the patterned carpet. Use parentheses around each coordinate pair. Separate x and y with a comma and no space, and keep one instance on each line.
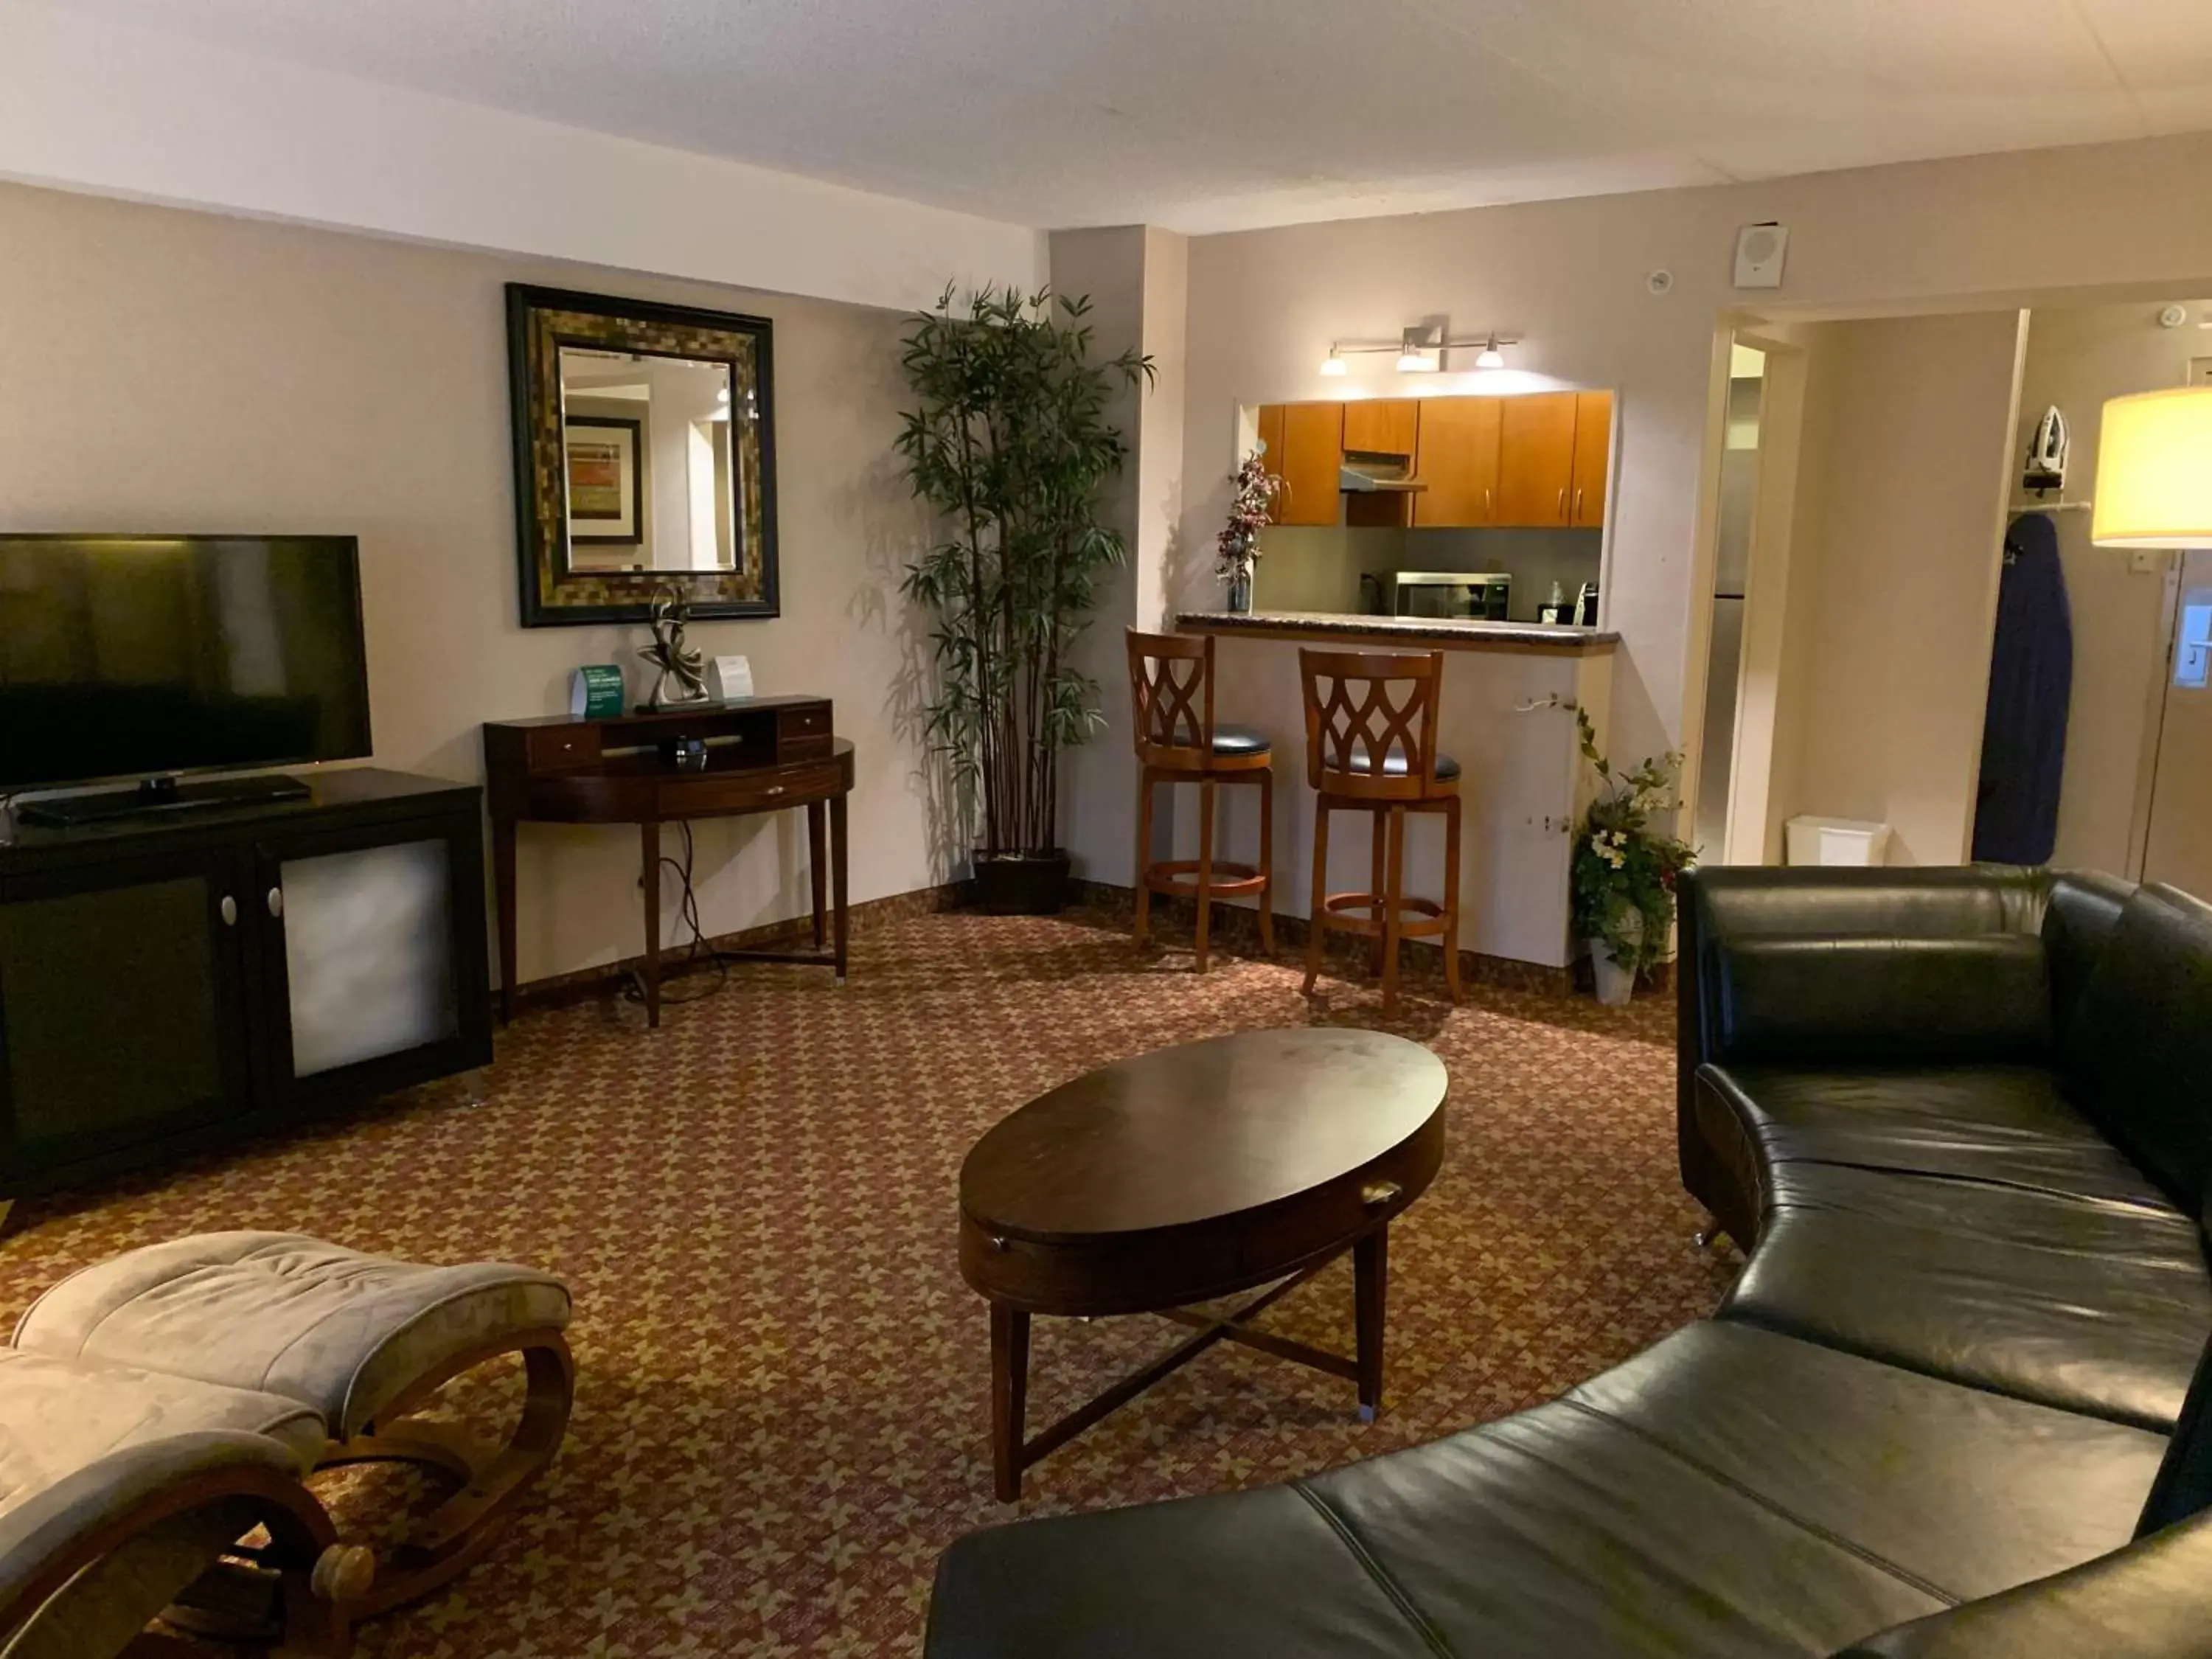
(782,1394)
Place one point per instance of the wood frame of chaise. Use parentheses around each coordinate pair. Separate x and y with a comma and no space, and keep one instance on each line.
(458,1533)
(317,1578)
(324,1585)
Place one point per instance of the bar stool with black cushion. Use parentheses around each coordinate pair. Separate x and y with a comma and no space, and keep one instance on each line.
(1371,747)
(1179,741)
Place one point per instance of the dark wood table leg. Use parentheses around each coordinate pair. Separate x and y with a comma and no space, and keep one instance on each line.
(1378,877)
(502,865)
(1370,1280)
(837,879)
(1010,1387)
(648,835)
(818,867)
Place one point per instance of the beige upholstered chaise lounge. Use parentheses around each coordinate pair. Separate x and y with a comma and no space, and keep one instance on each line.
(158,1408)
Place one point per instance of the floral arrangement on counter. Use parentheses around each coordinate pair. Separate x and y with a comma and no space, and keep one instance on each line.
(1625,865)
(1251,510)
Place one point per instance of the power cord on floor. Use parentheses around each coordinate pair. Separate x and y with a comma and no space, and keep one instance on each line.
(687,911)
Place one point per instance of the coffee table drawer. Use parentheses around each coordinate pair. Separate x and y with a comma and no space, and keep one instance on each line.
(1178,1265)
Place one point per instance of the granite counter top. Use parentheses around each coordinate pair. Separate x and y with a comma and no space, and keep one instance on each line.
(1462,633)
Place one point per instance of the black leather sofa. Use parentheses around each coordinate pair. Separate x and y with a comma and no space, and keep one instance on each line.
(1961,1119)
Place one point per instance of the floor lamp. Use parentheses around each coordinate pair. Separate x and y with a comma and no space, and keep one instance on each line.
(2155,471)
(2155,490)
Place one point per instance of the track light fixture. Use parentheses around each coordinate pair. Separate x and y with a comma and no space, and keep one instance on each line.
(1420,348)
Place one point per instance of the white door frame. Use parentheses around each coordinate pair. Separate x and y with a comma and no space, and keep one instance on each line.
(1751,759)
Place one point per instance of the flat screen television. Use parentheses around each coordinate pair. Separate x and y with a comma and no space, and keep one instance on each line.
(143,657)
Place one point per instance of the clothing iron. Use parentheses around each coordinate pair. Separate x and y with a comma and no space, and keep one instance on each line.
(2046,454)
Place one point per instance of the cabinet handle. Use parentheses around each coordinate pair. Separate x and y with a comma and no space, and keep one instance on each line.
(1578,506)
(1488,507)
(228,911)
(276,901)
(1375,1194)
(775,789)
(1562,504)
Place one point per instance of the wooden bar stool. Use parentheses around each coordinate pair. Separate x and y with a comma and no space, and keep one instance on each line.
(1171,699)
(1371,747)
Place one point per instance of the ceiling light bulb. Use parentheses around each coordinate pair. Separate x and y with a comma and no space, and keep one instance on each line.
(1491,356)
(1332,364)
(1417,362)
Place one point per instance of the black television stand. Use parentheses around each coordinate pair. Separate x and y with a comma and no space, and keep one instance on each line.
(162,795)
(181,979)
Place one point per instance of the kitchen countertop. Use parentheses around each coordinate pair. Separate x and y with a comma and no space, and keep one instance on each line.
(1465,634)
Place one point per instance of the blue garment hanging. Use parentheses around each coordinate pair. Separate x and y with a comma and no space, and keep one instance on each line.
(2031,678)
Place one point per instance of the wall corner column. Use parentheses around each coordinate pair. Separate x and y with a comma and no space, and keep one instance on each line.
(1136,277)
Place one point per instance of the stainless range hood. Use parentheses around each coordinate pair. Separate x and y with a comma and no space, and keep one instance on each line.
(1375,471)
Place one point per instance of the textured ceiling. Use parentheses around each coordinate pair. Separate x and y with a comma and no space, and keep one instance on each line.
(1218,114)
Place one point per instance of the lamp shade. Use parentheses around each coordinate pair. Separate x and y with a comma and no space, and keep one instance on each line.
(2155,471)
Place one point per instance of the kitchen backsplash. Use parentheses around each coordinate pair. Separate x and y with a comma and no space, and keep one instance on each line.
(1319,569)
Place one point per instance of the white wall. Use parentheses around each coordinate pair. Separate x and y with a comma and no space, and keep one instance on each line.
(1568,277)
(89,104)
(2077,357)
(182,372)
(1895,575)
(1136,277)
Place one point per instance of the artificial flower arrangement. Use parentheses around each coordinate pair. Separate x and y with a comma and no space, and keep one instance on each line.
(1624,865)
(1251,510)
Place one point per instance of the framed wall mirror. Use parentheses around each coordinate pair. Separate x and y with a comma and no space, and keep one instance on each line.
(644,457)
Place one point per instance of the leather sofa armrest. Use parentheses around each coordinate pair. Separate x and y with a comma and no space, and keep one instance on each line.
(2145,1602)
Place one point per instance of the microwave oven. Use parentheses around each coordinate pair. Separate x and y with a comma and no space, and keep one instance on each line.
(1451,594)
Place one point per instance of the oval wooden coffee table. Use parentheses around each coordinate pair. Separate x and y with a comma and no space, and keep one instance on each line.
(1188,1174)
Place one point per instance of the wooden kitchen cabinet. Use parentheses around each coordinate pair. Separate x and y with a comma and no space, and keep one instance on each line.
(1381,425)
(1457,457)
(1270,436)
(1536,458)
(1308,459)
(1553,453)
(1593,455)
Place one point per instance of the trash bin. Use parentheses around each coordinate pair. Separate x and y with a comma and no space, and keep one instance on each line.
(1815,840)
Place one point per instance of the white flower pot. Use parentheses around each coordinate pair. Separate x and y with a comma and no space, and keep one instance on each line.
(1616,985)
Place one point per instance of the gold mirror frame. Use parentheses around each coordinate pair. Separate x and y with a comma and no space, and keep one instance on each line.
(541,320)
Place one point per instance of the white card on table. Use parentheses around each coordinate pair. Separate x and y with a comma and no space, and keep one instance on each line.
(732,679)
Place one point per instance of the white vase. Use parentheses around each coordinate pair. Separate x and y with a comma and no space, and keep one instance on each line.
(1616,985)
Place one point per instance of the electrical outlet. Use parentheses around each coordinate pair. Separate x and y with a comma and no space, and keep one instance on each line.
(2146,561)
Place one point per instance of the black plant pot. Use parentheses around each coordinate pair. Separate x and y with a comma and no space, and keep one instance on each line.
(1022,883)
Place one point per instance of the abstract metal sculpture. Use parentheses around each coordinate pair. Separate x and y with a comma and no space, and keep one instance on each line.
(678,662)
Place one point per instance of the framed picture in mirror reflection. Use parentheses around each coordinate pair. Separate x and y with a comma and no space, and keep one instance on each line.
(606,496)
(645,457)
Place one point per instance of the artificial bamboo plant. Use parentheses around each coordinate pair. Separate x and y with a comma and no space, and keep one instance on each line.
(1010,444)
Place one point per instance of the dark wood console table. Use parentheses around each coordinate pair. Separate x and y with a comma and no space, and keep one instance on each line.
(763,755)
